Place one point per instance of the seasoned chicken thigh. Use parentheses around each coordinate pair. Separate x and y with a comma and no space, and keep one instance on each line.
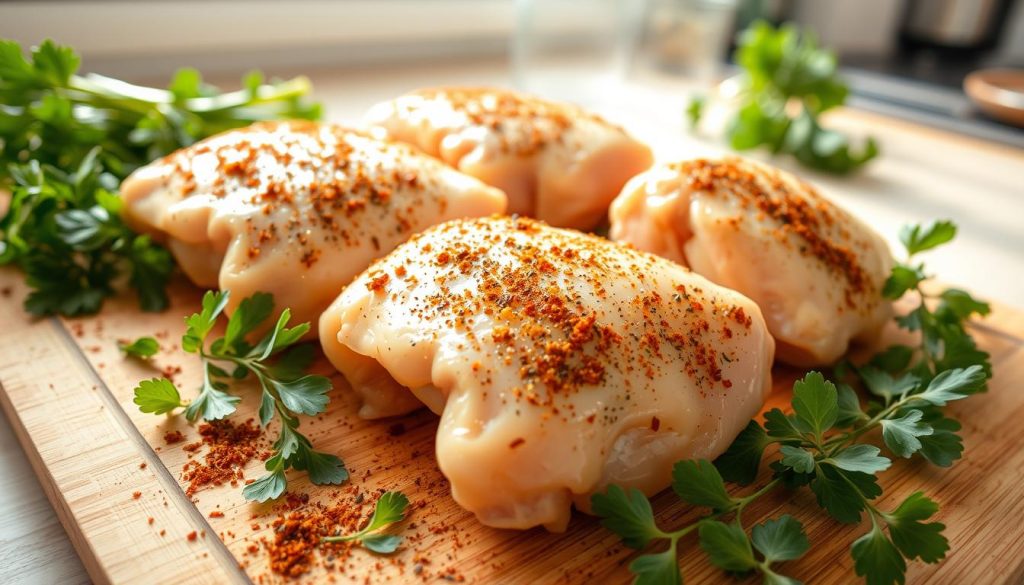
(556,162)
(296,209)
(559,362)
(815,270)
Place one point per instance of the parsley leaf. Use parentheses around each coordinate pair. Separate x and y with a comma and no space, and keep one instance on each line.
(901,434)
(913,538)
(780,539)
(843,494)
(627,514)
(306,395)
(698,482)
(270,486)
(740,462)
(158,396)
(143,347)
(877,560)
(815,403)
(726,545)
(917,238)
(862,458)
(657,569)
(953,385)
(390,509)
(798,459)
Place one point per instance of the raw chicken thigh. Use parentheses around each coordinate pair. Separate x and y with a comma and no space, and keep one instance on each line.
(296,209)
(815,270)
(555,161)
(559,362)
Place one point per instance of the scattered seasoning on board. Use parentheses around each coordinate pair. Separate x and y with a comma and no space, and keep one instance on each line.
(136,495)
(229,447)
(172,437)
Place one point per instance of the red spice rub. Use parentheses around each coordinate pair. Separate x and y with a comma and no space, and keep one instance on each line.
(320,183)
(526,124)
(230,447)
(804,215)
(562,339)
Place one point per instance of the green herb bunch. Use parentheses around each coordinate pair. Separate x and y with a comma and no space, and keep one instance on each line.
(829,444)
(787,82)
(66,143)
(285,389)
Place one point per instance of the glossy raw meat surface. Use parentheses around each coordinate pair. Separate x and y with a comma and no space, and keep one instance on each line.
(559,362)
(815,270)
(555,161)
(296,209)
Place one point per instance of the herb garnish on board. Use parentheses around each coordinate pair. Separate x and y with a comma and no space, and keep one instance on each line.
(286,391)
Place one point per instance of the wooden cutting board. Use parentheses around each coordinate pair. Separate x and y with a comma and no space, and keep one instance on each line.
(68,393)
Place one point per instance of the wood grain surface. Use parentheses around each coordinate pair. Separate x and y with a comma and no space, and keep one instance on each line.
(68,393)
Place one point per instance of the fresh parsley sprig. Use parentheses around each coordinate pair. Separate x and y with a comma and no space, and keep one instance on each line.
(390,508)
(782,68)
(285,390)
(822,444)
(66,143)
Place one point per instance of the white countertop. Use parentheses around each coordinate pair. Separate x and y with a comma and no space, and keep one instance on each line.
(922,174)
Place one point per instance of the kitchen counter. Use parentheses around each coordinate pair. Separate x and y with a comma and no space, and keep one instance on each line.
(922,174)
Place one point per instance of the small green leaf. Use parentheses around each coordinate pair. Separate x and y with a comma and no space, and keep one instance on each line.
(943,446)
(882,384)
(158,396)
(726,545)
(877,560)
(901,434)
(627,514)
(305,395)
(697,482)
(657,569)
(390,509)
(249,314)
(740,462)
(324,468)
(953,385)
(849,407)
(901,279)
(913,538)
(780,539)
(267,408)
(211,404)
(198,325)
(815,403)
(381,543)
(268,487)
(143,347)
(798,459)
(782,426)
(958,305)
(917,238)
(842,493)
(863,458)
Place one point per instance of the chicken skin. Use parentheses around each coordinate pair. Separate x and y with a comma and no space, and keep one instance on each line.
(815,270)
(556,162)
(296,209)
(559,362)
